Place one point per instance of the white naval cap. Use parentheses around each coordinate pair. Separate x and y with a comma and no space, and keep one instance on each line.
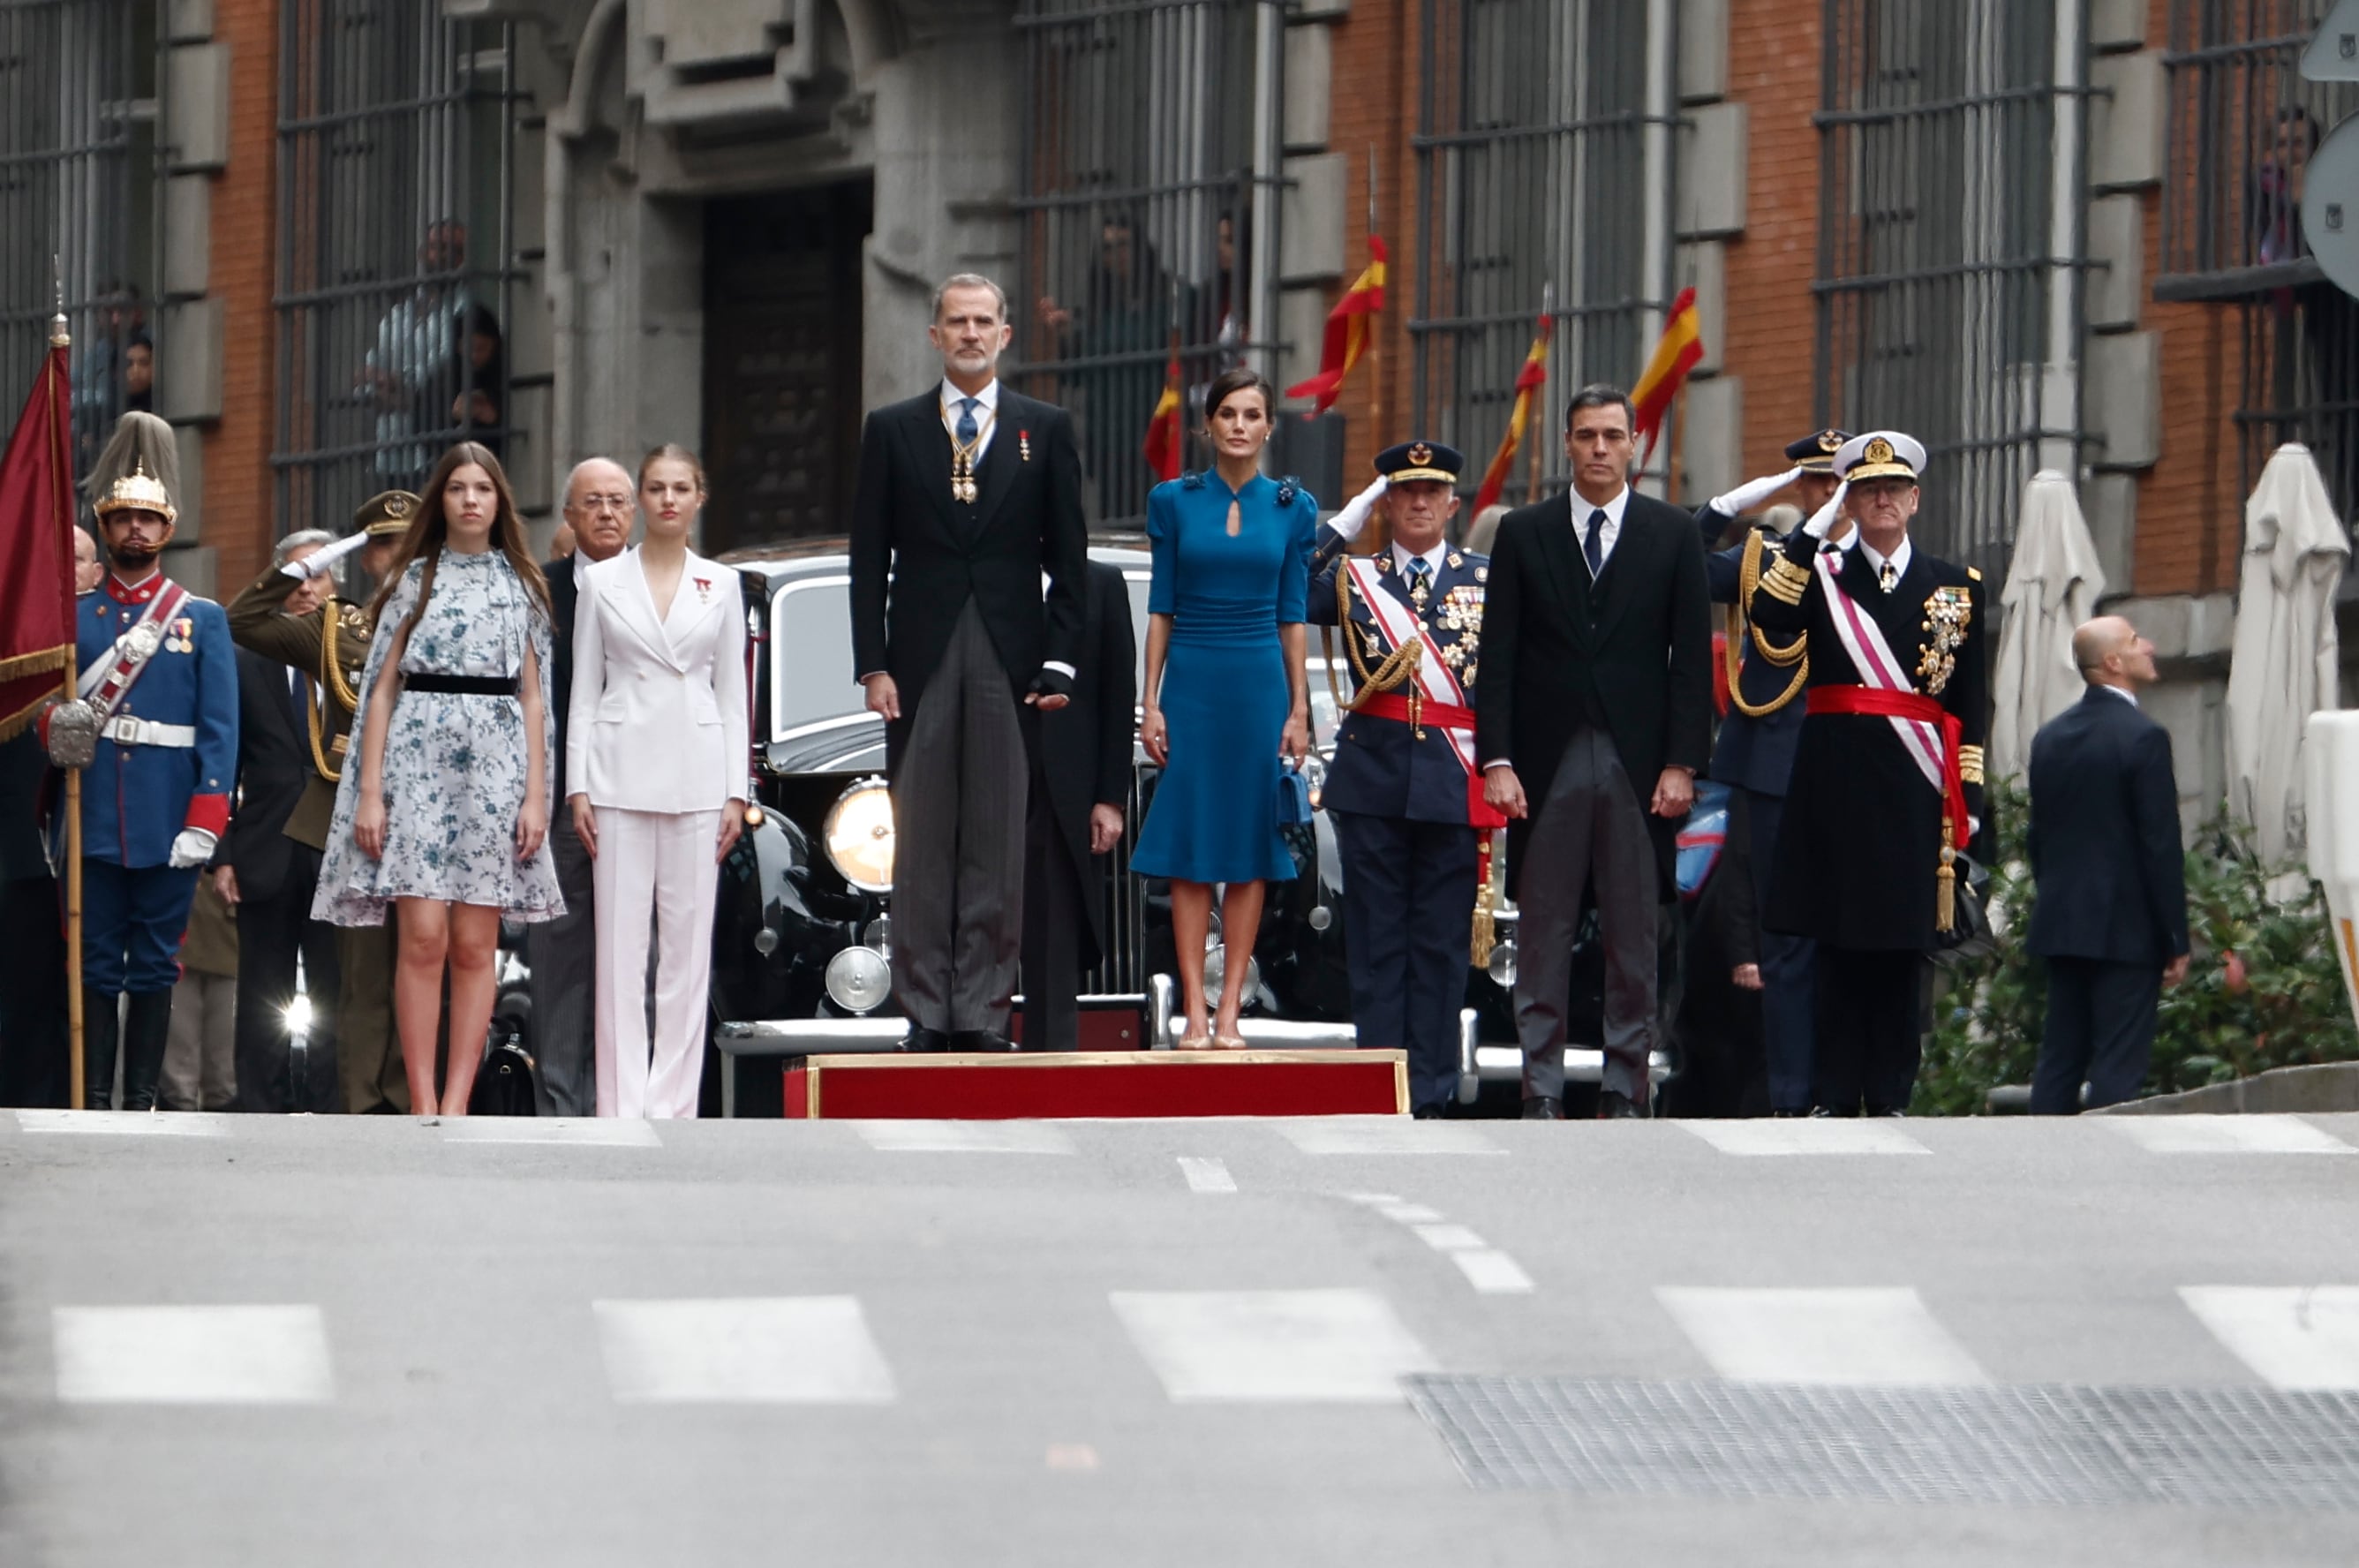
(1881,454)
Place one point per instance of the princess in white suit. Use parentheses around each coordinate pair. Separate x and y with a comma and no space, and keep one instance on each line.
(656,756)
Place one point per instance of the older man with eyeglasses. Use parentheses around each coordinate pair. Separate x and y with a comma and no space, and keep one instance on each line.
(600,504)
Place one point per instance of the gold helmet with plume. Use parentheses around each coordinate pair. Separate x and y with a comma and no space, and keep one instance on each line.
(138,470)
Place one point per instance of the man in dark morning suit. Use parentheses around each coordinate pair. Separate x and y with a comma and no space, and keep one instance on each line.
(2111,916)
(1079,793)
(268,877)
(1887,782)
(1404,791)
(968,494)
(1755,752)
(1595,713)
(600,502)
(33,1041)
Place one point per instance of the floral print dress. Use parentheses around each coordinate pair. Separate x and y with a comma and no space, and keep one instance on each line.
(455,764)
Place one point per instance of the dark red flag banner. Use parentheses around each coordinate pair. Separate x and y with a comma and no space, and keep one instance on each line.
(36,512)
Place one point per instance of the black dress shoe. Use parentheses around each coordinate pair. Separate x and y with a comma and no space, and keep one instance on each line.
(926,1040)
(1432,1113)
(1829,1112)
(1798,1113)
(1613,1106)
(980,1042)
(1885,1111)
(1543,1108)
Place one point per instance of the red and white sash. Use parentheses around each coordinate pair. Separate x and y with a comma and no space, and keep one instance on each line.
(108,681)
(1436,685)
(1872,656)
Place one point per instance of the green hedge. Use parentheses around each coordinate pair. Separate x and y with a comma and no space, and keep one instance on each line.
(2288,1007)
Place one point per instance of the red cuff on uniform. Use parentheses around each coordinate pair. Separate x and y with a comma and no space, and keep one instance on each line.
(210,812)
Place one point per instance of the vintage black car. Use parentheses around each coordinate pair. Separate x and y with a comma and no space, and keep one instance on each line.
(803,940)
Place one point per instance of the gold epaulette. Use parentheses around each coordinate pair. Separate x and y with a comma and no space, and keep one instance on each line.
(1970,763)
(1740,625)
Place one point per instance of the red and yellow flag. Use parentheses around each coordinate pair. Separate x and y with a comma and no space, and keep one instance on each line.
(1165,443)
(1348,326)
(1529,381)
(36,557)
(1680,350)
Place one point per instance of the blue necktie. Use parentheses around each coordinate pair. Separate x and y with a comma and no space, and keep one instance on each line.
(1419,569)
(1593,546)
(967,429)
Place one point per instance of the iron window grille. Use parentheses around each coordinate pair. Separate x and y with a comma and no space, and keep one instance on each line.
(1534,179)
(78,195)
(397,154)
(1149,202)
(2242,124)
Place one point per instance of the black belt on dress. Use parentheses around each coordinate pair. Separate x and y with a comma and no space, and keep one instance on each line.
(463,685)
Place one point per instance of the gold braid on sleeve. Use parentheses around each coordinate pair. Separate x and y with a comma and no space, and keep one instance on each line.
(1740,625)
(1396,668)
(332,679)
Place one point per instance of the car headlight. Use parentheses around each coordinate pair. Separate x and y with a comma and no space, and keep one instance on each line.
(858,979)
(859,835)
(299,1017)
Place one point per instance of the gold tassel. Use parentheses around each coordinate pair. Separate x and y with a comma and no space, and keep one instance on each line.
(1486,904)
(1945,881)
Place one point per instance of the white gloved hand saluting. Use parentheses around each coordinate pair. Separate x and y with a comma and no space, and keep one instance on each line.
(323,559)
(194,846)
(1751,492)
(1355,513)
(1822,521)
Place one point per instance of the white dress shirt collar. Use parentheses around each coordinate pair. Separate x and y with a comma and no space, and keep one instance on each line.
(1432,558)
(2124,692)
(1898,558)
(1606,536)
(987,400)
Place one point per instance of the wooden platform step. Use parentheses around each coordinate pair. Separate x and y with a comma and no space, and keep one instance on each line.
(1101,1084)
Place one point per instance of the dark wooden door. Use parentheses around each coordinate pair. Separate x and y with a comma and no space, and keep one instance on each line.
(782,363)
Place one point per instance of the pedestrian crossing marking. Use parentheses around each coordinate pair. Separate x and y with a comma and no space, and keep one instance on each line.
(1447,1237)
(2227,1135)
(1859,1337)
(775,1350)
(127,1123)
(1206,1175)
(964,1138)
(1492,1272)
(2296,1336)
(1384,1135)
(617,1131)
(1409,1214)
(1272,1346)
(1805,1135)
(191,1355)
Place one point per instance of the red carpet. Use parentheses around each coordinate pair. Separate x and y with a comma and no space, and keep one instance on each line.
(1114,1084)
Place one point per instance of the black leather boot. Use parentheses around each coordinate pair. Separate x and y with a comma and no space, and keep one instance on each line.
(98,1031)
(146,1030)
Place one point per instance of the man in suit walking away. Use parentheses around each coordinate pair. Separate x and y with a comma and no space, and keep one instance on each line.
(1079,795)
(2112,914)
(600,502)
(1594,714)
(968,494)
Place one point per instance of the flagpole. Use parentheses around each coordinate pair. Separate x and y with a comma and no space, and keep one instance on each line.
(1539,447)
(75,1073)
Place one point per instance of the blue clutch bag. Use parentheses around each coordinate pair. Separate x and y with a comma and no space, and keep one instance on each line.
(1293,797)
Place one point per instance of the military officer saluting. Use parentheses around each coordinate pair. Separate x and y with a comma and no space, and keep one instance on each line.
(329,646)
(159,683)
(1404,791)
(1887,782)
(1755,752)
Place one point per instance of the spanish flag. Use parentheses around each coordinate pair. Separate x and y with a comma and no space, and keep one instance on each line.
(1529,380)
(36,557)
(1680,350)
(1165,443)
(1347,333)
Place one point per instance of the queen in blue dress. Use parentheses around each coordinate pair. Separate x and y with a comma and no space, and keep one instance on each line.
(1226,697)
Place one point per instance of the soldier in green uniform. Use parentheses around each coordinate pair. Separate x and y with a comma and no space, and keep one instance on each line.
(330,645)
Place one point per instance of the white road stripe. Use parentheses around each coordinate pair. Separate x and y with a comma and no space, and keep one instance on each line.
(1849,1337)
(2299,1337)
(1409,1214)
(616,1131)
(1492,1272)
(2227,1135)
(1383,1134)
(1273,1346)
(1806,1135)
(964,1137)
(778,1350)
(1378,1199)
(191,1355)
(127,1124)
(1449,1237)
(1206,1175)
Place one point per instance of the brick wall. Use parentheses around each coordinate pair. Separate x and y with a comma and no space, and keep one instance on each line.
(1375,104)
(237,497)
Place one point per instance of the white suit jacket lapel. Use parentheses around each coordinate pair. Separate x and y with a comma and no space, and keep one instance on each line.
(625,592)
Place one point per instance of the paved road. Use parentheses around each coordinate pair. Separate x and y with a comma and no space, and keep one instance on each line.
(375,1341)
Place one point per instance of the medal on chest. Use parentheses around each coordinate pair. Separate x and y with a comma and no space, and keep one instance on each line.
(1947,614)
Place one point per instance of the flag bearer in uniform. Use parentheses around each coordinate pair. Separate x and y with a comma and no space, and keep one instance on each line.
(160,678)
(1404,791)
(1887,782)
(329,645)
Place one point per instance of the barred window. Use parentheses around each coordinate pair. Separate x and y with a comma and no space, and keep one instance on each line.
(2243,125)
(1149,215)
(1533,178)
(1943,310)
(396,153)
(78,187)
